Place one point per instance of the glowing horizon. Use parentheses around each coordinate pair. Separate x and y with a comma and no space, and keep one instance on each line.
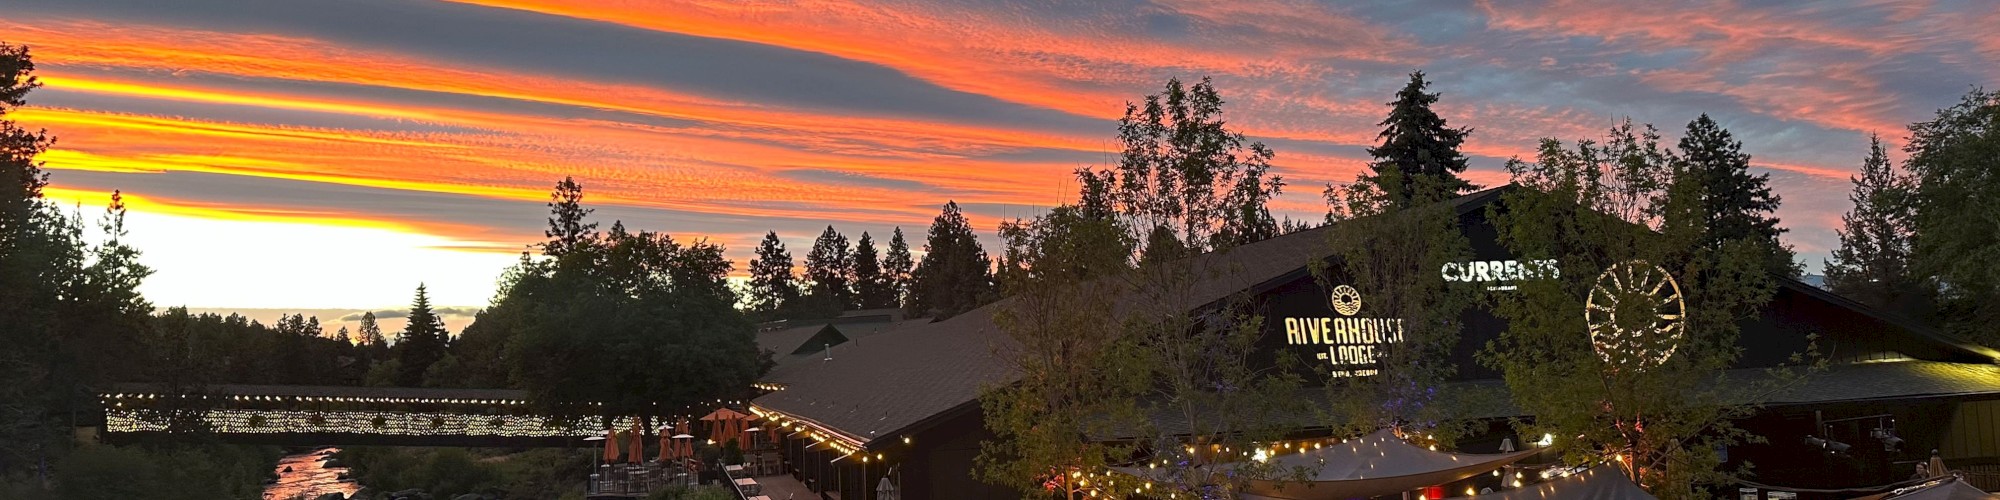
(422,136)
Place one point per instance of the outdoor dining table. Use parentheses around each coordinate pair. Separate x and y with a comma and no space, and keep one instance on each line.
(732,469)
(749,486)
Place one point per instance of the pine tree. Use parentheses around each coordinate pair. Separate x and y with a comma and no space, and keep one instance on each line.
(896,267)
(423,341)
(1872,264)
(829,274)
(773,287)
(342,336)
(954,275)
(1420,148)
(872,289)
(1730,203)
(567,230)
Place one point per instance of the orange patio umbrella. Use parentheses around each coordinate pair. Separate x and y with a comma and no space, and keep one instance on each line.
(610,446)
(636,439)
(724,423)
(667,445)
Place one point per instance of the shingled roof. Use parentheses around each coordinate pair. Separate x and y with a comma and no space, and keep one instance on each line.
(907,376)
(902,379)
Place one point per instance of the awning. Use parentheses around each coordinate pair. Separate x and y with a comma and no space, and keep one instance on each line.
(1949,488)
(1375,465)
(1604,482)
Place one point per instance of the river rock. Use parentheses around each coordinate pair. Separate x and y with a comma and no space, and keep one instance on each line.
(331,496)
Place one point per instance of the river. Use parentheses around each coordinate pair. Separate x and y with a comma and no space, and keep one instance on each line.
(304,475)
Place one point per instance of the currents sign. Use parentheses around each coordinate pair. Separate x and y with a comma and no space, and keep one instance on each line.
(1349,343)
(1500,274)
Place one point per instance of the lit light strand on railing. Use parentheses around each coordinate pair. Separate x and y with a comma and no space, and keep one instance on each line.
(818,434)
(232,421)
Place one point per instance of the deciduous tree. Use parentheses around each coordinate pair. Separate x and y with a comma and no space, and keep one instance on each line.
(1620,352)
(1956,158)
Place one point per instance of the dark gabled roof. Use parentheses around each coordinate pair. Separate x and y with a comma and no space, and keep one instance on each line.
(909,376)
(801,341)
(825,338)
(1953,347)
(904,377)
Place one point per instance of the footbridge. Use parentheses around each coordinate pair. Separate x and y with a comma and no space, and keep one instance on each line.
(329,415)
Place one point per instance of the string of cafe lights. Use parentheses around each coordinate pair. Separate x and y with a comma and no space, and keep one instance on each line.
(839,442)
(237,421)
(1261,452)
(114,399)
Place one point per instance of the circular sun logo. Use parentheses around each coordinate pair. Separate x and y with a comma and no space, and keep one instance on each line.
(1636,315)
(1346,300)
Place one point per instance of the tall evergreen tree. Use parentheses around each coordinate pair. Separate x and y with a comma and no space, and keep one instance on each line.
(71,317)
(1956,158)
(1729,203)
(872,289)
(955,274)
(567,229)
(342,336)
(1418,161)
(829,275)
(1872,264)
(773,288)
(896,267)
(423,341)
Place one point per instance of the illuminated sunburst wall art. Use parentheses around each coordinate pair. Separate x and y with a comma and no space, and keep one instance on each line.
(1636,314)
(1346,300)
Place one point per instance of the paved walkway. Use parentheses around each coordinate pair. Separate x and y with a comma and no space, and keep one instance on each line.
(783,487)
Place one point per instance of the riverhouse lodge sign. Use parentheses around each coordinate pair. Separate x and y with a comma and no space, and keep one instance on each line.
(1348,342)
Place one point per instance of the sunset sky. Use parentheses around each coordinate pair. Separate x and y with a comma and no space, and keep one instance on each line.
(331,155)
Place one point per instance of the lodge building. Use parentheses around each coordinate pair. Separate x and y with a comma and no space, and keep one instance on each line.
(872,396)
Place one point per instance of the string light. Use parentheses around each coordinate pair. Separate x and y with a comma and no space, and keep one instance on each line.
(388,423)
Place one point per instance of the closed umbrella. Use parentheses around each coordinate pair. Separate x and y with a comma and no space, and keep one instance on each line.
(636,439)
(684,445)
(884,490)
(667,445)
(610,446)
(721,423)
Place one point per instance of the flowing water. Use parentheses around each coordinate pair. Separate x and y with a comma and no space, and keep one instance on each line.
(308,477)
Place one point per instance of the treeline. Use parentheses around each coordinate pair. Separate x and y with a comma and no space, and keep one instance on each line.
(954,276)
